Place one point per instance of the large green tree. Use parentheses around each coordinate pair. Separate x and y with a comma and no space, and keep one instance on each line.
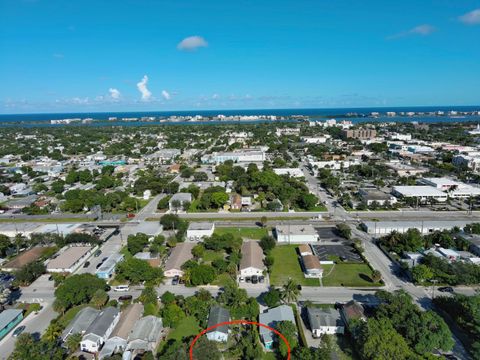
(76,290)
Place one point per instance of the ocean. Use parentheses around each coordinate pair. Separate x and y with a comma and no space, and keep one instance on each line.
(314,114)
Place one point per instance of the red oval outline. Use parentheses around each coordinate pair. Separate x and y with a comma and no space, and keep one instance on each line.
(240,322)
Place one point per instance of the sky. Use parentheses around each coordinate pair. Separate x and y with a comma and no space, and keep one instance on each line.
(139,55)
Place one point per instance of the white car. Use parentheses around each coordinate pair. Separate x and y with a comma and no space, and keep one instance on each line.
(121,288)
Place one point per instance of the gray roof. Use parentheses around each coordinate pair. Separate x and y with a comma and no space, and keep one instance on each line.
(296,229)
(272,316)
(110,263)
(128,318)
(182,197)
(81,322)
(148,328)
(7,316)
(323,317)
(218,315)
(252,256)
(103,321)
(200,226)
(112,345)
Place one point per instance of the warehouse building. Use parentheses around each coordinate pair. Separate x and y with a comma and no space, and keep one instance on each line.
(422,193)
(295,234)
(425,227)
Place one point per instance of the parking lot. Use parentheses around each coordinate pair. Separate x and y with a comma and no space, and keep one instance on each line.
(328,235)
(342,251)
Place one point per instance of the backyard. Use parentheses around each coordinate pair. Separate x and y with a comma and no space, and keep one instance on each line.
(287,266)
(185,328)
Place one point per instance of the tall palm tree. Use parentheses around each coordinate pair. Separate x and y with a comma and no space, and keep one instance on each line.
(290,291)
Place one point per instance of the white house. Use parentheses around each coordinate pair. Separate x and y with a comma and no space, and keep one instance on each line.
(218,315)
(296,234)
(198,230)
(325,321)
(99,330)
(252,260)
(312,267)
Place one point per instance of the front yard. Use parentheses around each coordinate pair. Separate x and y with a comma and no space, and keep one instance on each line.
(287,266)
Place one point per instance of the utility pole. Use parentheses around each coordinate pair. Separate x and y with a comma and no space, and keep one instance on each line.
(434,281)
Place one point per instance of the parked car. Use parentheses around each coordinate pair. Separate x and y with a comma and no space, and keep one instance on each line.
(18,331)
(125,298)
(98,265)
(121,288)
(86,264)
(254,279)
(261,279)
(97,253)
(175,280)
(104,259)
(446,289)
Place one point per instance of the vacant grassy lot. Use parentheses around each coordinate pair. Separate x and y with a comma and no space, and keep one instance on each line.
(255,233)
(186,327)
(211,255)
(287,266)
(348,275)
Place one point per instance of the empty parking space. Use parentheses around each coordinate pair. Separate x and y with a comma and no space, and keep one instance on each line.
(341,251)
(329,235)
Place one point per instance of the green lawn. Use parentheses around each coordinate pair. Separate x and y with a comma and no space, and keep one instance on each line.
(287,266)
(223,279)
(348,275)
(255,233)
(186,327)
(211,255)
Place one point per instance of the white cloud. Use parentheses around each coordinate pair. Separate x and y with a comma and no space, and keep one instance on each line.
(471,18)
(80,101)
(215,96)
(142,87)
(192,43)
(166,95)
(422,30)
(114,93)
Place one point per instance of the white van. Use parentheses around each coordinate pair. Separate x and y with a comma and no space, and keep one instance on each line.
(121,288)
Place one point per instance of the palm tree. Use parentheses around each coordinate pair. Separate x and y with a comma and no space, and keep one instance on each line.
(53,332)
(73,342)
(290,291)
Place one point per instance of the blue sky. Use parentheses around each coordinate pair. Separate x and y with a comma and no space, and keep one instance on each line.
(58,56)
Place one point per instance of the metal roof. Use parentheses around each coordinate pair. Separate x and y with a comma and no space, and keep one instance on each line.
(318,317)
(148,328)
(103,321)
(81,322)
(110,263)
(272,316)
(218,315)
(7,316)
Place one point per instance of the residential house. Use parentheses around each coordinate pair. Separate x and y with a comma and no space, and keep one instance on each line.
(8,320)
(312,267)
(80,322)
(179,200)
(325,321)
(305,249)
(179,255)
(271,317)
(99,330)
(218,315)
(352,310)
(251,262)
(146,334)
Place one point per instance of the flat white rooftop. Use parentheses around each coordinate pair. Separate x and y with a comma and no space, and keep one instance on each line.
(419,190)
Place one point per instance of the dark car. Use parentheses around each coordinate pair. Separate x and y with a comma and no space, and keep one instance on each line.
(446,289)
(125,298)
(97,253)
(87,264)
(18,331)
(105,258)
(175,280)
(254,279)
(98,265)
(261,279)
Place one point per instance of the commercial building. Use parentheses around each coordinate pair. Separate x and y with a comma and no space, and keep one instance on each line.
(244,155)
(251,262)
(99,330)
(325,321)
(8,320)
(359,134)
(271,317)
(69,259)
(107,269)
(315,140)
(425,227)
(293,172)
(198,230)
(291,234)
(474,240)
(59,229)
(420,192)
(218,315)
(371,196)
(179,255)
(403,169)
